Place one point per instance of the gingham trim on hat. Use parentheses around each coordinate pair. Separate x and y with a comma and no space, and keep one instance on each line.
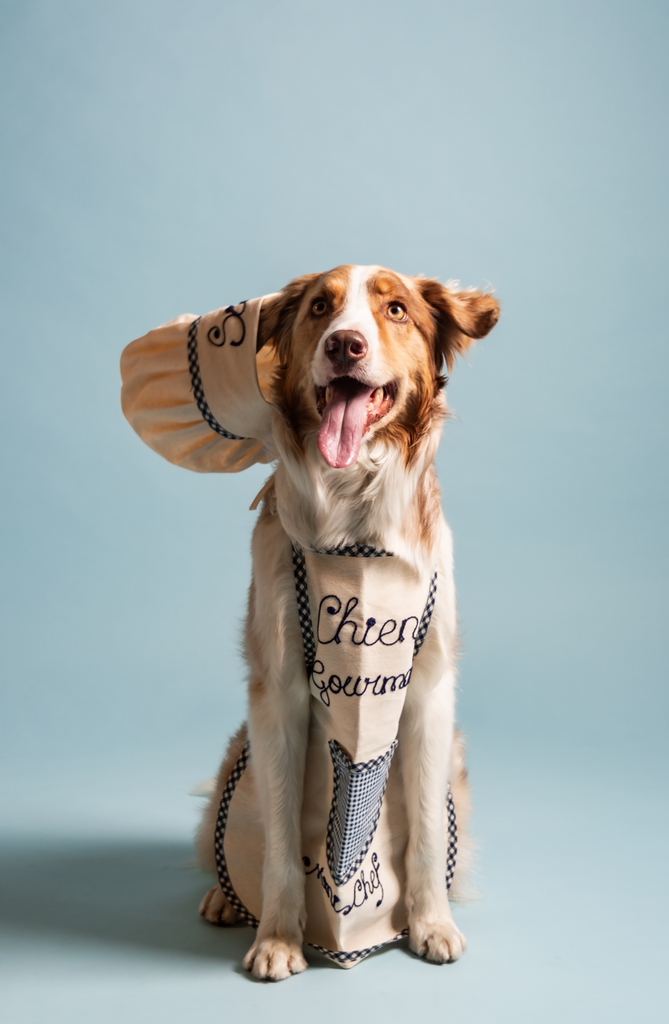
(198,390)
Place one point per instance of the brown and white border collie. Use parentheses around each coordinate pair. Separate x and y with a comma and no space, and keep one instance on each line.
(361,393)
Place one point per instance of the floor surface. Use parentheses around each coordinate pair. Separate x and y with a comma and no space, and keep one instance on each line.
(99,910)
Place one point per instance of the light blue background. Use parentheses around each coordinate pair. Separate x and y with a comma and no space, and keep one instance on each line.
(162,158)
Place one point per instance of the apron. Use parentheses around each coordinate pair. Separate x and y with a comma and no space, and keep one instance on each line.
(364,615)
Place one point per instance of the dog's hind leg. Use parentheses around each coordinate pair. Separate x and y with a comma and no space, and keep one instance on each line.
(216,909)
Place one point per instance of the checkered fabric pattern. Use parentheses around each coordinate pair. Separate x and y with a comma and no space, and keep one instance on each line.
(302,592)
(354,955)
(198,391)
(452,851)
(219,835)
(358,551)
(354,814)
(426,616)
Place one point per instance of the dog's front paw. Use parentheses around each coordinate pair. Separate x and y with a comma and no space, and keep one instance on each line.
(274,959)
(438,941)
(216,909)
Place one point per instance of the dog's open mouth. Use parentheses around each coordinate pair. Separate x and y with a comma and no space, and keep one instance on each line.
(348,409)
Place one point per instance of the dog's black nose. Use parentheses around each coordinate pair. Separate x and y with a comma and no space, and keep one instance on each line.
(345,347)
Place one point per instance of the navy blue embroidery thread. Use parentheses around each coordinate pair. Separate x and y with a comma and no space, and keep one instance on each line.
(198,390)
(386,629)
(306,626)
(215,332)
(354,813)
(358,687)
(363,888)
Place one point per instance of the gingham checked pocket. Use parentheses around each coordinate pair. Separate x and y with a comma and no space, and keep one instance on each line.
(354,814)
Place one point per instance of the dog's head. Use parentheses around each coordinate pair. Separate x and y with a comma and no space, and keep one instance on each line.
(360,352)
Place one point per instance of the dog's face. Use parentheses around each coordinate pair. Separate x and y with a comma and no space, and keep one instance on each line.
(360,352)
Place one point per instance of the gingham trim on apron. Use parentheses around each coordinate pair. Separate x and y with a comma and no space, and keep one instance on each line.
(302,594)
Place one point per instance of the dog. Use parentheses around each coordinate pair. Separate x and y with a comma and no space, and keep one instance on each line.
(360,400)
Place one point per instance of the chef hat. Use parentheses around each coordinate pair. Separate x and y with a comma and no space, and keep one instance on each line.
(197,391)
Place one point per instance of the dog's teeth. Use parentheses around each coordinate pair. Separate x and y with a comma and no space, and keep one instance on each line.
(377,396)
(328,393)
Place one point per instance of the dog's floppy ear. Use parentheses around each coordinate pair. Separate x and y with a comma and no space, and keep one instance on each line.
(278,313)
(459,317)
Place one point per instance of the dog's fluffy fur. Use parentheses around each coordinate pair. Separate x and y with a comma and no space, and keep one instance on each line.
(388,497)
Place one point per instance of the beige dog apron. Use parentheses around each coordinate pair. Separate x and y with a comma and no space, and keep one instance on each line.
(364,615)
(198,393)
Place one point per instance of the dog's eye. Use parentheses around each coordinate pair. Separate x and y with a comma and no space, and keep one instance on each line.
(396,311)
(318,307)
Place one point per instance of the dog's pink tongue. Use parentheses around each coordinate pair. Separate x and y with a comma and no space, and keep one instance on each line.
(343,422)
